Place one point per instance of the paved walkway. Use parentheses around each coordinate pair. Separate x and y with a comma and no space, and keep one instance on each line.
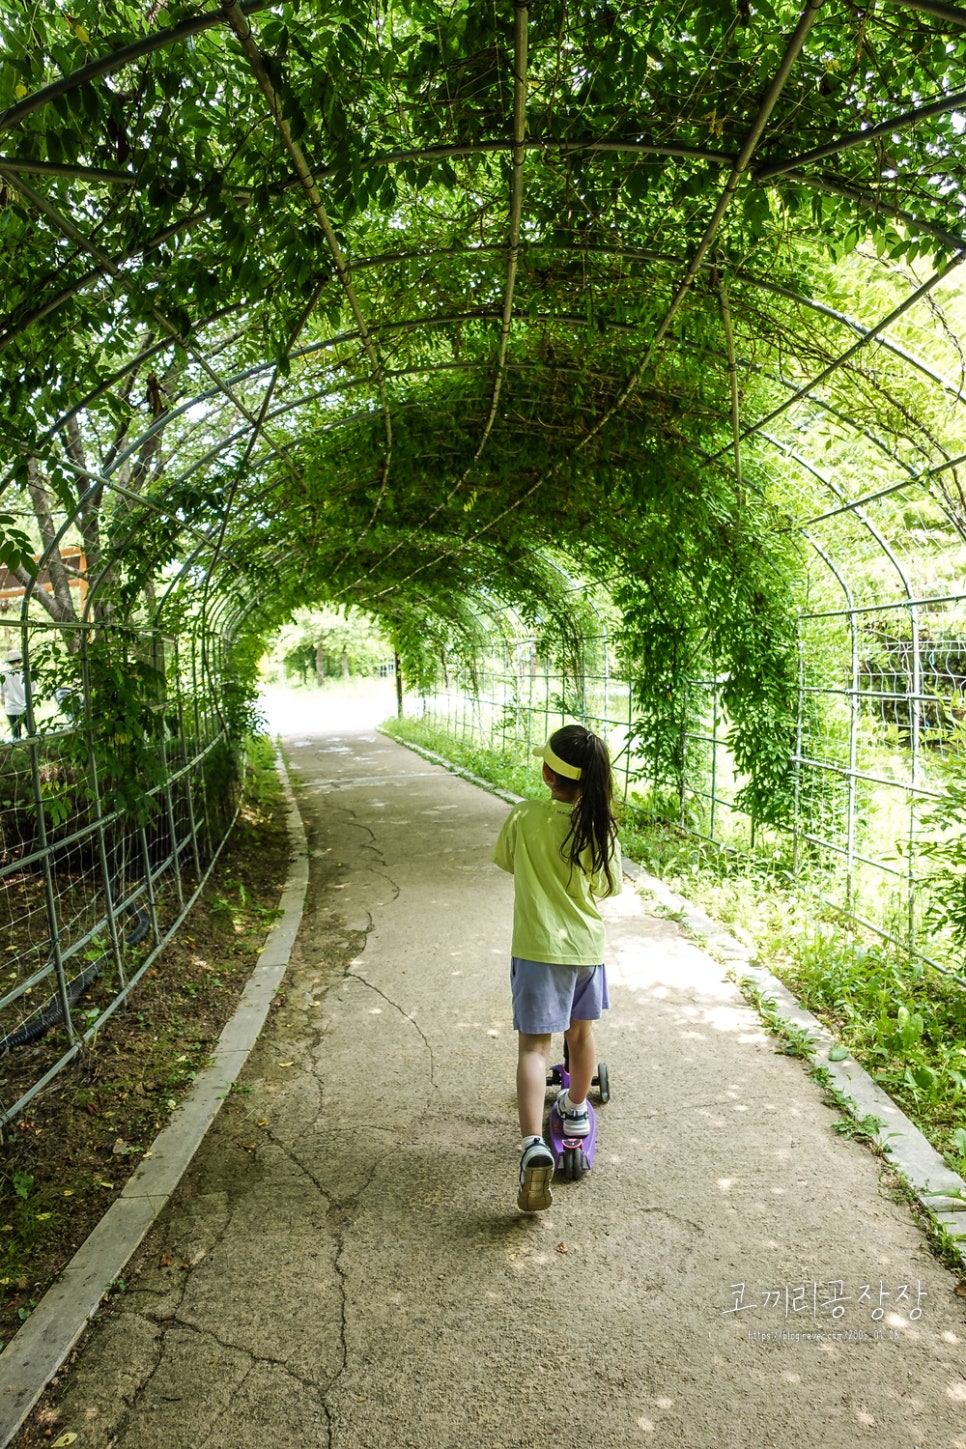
(344,1264)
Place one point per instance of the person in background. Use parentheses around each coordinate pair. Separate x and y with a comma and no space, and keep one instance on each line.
(14,693)
(70,702)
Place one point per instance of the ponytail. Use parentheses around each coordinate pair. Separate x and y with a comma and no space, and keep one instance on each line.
(592,825)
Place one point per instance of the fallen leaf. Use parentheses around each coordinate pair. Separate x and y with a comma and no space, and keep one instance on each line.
(166,1260)
(562,1248)
(960,1290)
(262,1123)
(286,1064)
(64,1440)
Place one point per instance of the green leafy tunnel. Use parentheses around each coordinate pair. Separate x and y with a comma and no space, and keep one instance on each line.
(430,308)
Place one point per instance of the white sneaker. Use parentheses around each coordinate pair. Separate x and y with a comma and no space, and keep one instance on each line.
(575,1121)
(536,1171)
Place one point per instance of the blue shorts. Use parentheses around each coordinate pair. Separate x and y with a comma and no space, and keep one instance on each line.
(548,998)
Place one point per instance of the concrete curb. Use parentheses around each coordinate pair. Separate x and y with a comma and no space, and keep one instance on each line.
(43,1342)
(940,1191)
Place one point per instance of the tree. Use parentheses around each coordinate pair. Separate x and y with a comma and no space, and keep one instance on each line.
(331,644)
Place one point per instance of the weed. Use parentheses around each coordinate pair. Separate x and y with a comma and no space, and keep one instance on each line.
(862,1129)
(22,1184)
(31,1218)
(262,790)
(796,1041)
(667,914)
(957,1146)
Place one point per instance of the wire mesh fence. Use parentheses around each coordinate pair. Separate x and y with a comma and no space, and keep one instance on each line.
(882,692)
(114,804)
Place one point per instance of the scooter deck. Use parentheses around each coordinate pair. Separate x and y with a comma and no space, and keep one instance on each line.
(573,1156)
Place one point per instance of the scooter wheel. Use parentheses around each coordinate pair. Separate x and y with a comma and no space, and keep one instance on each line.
(603,1081)
(574,1164)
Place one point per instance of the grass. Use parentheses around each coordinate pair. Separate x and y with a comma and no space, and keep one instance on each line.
(902,1020)
(507,771)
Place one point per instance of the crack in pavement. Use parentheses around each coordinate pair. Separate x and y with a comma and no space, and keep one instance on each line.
(172,1321)
(179,1289)
(358,976)
(381,874)
(340,1216)
(167,1323)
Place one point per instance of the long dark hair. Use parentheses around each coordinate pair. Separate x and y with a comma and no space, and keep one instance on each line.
(592,825)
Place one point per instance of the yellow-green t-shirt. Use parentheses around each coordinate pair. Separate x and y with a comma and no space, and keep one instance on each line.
(555,915)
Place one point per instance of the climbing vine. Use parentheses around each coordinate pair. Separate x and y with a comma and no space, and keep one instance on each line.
(434,313)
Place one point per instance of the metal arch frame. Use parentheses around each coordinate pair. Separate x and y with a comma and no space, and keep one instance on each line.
(741,164)
(850,506)
(161,423)
(771,169)
(384,259)
(925,475)
(871,335)
(223,384)
(236,15)
(117,59)
(73,233)
(856,510)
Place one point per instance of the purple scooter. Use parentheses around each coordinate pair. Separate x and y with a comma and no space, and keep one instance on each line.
(573,1156)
